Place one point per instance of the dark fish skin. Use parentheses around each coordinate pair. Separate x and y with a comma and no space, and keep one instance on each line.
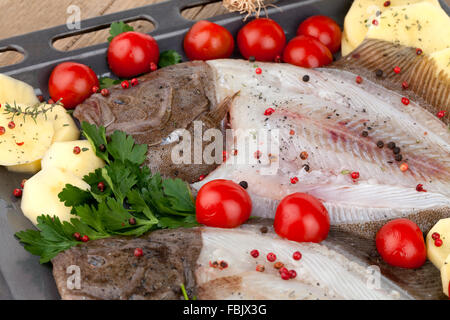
(110,271)
(164,101)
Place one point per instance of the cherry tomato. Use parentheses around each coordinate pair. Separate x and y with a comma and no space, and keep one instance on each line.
(132,53)
(324,29)
(223,204)
(303,218)
(207,41)
(72,82)
(400,243)
(263,39)
(307,52)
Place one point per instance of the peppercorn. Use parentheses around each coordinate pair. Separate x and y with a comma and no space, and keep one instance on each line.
(435,236)
(396,150)
(294,180)
(102,147)
(132,221)
(379,73)
(438,242)
(138,252)
(105,92)
(355,175)
(380,144)
(95,89)
(101,186)
(405,85)
(254,253)
(365,133)
(260,268)
(258,70)
(398,157)
(125,84)
(251,59)
(297,255)
(153,66)
(271,257)
(85,238)
(397,69)
(278,265)
(223,265)
(11,125)
(306,167)
(391,145)
(292,274)
(305,78)
(76,150)
(17,192)
(243,184)
(77,236)
(304,155)
(2,131)
(134,82)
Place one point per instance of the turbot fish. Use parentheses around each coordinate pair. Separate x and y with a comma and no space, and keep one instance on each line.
(349,135)
(215,263)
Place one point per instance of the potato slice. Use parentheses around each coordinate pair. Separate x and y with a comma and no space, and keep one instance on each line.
(31,167)
(60,155)
(437,255)
(421,25)
(445,275)
(40,194)
(12,90)
(27,142)
(442,59)
(359,17)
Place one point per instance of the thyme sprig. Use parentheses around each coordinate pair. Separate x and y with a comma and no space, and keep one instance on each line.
(31,111)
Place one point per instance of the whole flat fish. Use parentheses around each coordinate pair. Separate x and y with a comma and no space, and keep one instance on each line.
(303,130)
(216,264)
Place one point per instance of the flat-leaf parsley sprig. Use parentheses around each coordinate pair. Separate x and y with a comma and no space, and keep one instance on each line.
(131,201)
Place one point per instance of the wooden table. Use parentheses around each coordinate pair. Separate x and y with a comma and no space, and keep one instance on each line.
(24,16)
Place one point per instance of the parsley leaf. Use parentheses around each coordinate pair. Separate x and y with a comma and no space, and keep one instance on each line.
(132,202)
(106,82)
(118,28)
(168,58)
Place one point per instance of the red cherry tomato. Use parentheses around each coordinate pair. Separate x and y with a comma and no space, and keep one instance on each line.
(223,204)
(324,29)
(303,218)
(263,39)
(72,82)
(132,53)
(307,52)
(207,41)
(400,243)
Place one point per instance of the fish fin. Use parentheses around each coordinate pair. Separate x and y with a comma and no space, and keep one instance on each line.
(425,80)
(216,115)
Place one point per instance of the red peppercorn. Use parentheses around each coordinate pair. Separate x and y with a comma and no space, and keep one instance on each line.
(271,257)
(297,255)
(257,154)
(2,131)
(292,132)
(22,184)
(51,101)
(201,177)
(269,111)
(397,69)
(138,252)
(404,167)
(76,150)
(358,79)
(258,70)
(304,155)
(260,268)
(85,238)
(134,82)
(95,89)
(420,188)
(405,85)
(77,236)
(101,186)
(40,98)
(254,253)
(375,22)
(17,192)
(440,114)
(435,236)
(438,242)
(105,92)
(405,101)
(294,180)
(277,59)
(355,175)
(387,3)
(11,125)
(125,84)
(285,275)
(153,66)
(292,274)
(419,51)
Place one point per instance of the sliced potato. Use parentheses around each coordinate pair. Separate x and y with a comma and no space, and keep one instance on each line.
(362,12)
(27,142)
(64,125)
(442,59)
(40,194)
(60,155)
(12,90)
(445,275)
(435,254)
(421,25)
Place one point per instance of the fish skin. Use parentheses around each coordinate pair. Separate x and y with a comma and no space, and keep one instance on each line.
(334,269)
(328,114)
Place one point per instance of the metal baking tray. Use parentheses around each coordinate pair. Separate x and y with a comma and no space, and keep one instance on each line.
(21,275)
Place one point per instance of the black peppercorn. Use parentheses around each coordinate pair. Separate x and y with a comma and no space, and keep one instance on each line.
(364,133)
(306,167)
(102,148)
(251,59)
(398,157)
(305,78)
(243,184)
(396,150)
(380,144)
(391,145)
(379,73)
